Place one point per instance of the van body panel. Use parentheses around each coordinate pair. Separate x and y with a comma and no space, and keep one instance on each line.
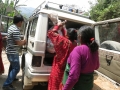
(37,44)
(71,17)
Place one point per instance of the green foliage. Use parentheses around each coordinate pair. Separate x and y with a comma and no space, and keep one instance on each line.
(86,14)
(105,9)
(0,1)
(7,8)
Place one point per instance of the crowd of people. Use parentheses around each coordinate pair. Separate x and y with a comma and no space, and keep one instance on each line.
(73,64)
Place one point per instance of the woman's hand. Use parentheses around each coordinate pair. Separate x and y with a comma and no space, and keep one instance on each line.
(61,24)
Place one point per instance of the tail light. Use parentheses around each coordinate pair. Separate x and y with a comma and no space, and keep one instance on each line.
(36,61)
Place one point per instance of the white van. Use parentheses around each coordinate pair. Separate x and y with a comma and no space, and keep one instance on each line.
(36,62)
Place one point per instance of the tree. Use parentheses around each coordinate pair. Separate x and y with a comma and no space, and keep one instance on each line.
(7,8)
(105,9)
(1,1)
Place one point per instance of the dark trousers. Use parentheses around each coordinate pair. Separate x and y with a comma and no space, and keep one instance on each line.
(14,68)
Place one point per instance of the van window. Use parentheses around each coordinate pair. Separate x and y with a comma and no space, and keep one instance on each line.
(33,27)
(110,36)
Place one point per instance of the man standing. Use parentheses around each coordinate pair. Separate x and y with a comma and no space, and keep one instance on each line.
(13,41)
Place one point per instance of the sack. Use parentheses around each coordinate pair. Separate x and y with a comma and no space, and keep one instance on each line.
(50,46)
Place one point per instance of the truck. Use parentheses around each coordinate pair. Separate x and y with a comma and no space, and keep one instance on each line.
(107,35)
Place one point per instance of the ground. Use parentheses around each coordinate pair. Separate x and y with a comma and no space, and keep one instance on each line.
(17,84)
(100,83)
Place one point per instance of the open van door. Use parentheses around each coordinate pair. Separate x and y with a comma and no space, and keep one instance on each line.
(107,34)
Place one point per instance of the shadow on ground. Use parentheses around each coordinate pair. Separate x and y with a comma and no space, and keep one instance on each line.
(16,84)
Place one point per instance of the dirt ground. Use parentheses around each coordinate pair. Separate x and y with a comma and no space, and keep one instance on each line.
(100,83)
(3,77)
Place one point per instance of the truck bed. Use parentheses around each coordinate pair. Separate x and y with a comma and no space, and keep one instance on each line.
(105,83)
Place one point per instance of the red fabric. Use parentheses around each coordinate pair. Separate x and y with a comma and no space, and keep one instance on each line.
(62,30)
(1,63)
(61,86)
(62,46)
(73,45)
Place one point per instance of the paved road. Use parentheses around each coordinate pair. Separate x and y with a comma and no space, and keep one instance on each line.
(16,84)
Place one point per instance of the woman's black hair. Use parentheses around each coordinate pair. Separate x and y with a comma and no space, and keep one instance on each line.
(17,19)
(72,34)
(88,37)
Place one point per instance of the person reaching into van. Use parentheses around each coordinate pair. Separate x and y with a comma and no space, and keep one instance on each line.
(50,46)
(13,41)
(82,62)
(63,46)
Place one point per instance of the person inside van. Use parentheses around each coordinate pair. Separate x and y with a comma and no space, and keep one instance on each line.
(63,46)
(82,62)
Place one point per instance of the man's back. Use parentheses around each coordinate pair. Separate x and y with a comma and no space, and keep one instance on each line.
(13,34)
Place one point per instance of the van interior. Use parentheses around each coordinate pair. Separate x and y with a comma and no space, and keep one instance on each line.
(48,60)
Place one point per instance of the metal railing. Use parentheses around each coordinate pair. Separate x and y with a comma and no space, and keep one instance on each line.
(60,7)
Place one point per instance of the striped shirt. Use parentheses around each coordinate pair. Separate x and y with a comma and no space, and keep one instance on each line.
(12,36)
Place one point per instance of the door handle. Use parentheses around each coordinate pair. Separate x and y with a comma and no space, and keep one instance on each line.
(109,59)
(32,43)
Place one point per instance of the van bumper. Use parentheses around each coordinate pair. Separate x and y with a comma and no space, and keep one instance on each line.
(37,77)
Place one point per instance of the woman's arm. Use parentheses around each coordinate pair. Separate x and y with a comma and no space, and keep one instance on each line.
(55,37)
(75,68)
